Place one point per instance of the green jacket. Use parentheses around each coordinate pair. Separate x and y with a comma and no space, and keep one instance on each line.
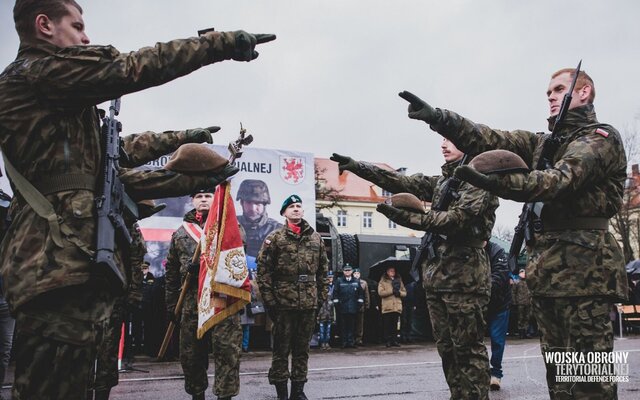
(286,256)
(49,127)
(180,254)
(458,267)
(587,180)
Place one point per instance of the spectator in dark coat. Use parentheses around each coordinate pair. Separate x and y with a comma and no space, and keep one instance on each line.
(498,310)
(348,297)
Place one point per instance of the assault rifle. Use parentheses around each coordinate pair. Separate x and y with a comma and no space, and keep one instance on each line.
(530,218)
(112,201)
(427,248)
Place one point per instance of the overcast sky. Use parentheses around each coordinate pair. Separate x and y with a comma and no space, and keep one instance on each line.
(329,83)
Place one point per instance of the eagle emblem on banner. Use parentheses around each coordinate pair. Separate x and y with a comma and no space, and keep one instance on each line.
(292,169)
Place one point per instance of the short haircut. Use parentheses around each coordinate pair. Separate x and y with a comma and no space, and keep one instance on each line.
(583,80)
(26,11)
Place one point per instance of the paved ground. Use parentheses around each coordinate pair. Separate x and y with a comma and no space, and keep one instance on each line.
(409,372)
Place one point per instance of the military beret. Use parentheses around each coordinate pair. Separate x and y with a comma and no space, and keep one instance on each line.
(347,268)
(211,190)
(407,201)
(294,198)
(147,208)
(194,158)
(356,270)
(498,161)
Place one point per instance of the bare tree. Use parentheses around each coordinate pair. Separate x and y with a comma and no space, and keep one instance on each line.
(503,232)
(327,193)
(625,223)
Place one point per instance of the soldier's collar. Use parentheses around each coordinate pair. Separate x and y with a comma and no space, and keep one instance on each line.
(36,47)
(576,117)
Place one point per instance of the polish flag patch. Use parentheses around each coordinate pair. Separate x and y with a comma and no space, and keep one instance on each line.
(602,132)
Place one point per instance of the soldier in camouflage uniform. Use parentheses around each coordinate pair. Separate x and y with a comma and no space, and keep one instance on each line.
(254,197)
(225,337)
(457,280)
(522,301)
(575,268)
(49,131)
(292,277)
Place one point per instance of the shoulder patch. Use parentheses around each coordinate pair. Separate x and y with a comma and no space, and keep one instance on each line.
(602,132)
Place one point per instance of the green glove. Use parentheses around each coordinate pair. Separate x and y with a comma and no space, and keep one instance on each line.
(387,210)
(201,135)
(487,182)
(345,163)
(246,43)
(418,108)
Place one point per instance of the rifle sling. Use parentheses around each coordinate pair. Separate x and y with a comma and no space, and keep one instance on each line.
(43,208)
(577,223)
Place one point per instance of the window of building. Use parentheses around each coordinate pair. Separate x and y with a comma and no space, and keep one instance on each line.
(367,219)
(392,225)
(342,218)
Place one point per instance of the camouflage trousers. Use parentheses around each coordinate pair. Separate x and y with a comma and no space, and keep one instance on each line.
(106,366)
(226,340)
(292,332)
(575,324)
(458,328)
(524,315)
(57,338)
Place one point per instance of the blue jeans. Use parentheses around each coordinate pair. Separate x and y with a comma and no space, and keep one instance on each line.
(325,332)
(498,325)
(245,336)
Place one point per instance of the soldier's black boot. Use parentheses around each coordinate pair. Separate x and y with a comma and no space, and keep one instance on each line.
(281,390)
(297,391)
(102,394)
(199,396)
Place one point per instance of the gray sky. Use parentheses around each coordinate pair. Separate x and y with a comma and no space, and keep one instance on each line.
(329,83)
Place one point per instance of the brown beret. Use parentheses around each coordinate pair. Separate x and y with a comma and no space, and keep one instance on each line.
(407,201)
(147,208)
(194,158)
(498,161)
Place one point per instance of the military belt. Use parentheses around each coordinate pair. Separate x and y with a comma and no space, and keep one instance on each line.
(62,183)
(477,243)
(578,223)
(297,278)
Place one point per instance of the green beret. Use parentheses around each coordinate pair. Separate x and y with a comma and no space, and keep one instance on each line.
(294,198)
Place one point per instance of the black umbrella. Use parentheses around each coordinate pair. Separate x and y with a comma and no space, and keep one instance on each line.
(633,268)
(402,266)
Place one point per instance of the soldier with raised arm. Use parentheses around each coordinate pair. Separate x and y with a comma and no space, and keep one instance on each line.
(575,268)
(50,134)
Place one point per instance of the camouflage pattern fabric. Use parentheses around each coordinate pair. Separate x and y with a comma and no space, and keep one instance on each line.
(587,180)
(576,325)
(524,315)
(226,337)
(57,338)
(292,331)
(257,231)
(458,329)
(287,255)
(284,257)
(106,367)
(48,97)
(470,217)
(521,294)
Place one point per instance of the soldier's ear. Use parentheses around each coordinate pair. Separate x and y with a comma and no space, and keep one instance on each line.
(44,26)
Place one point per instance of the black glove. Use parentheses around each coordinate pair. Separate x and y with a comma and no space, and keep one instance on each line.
(200,135)
(228,171)
(345,163)
(478,179)
(194,267)
(272,312)
(396,292)
(419,109)
(246,43)
(395,284)
(171,317)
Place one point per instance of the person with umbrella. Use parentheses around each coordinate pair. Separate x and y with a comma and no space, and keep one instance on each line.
(391,290)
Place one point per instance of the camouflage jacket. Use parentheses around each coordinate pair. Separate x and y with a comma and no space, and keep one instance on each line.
(520,293)
(257,231)
(49,127)
(458,266)
(137,251)
(180,254)
(587,180)
(284,259)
